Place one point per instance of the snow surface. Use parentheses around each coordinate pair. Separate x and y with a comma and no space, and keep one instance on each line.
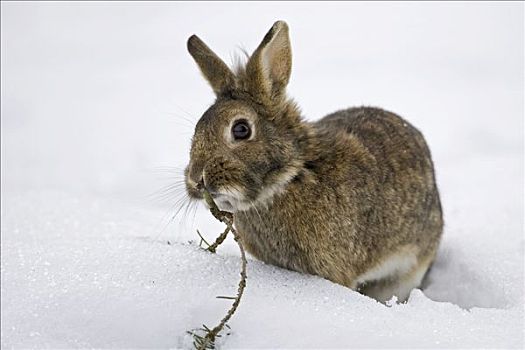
(99,101)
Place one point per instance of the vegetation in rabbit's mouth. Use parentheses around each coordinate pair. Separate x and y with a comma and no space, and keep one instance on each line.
(204,338)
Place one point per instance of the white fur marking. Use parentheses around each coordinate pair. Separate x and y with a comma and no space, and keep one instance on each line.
(231,199)
(396,264)
(278,187)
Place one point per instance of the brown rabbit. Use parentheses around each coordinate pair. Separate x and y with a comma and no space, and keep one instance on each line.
(351,197)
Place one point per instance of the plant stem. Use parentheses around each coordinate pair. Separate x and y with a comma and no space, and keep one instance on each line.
(213,248)
(226,217)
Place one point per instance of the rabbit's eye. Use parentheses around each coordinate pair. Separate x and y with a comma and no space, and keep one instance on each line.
(241,130)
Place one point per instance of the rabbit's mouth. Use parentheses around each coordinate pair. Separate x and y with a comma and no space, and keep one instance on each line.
(230,198)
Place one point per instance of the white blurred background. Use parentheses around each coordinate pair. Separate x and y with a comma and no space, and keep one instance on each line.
(94,94)
(98,105)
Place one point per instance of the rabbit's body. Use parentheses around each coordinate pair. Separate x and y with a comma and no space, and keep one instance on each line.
(351,198)
(366,156)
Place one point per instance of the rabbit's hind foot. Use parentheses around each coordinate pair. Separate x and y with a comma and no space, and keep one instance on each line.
(400,274)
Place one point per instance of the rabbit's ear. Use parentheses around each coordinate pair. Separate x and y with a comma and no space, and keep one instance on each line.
(220,77)
(270,66)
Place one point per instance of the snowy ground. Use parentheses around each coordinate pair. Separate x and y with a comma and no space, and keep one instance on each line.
(97,96)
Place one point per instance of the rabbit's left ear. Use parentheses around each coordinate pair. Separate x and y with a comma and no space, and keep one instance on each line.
(220,77)
(270,65)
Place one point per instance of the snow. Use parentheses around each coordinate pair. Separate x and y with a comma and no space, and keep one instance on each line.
(99,101)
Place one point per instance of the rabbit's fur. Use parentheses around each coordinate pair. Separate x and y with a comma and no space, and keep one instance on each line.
(351,197)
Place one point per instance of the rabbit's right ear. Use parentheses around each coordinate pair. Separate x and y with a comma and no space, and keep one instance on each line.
(270,66)
(220,77)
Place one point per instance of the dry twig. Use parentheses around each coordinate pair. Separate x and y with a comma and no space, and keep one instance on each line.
(208,340)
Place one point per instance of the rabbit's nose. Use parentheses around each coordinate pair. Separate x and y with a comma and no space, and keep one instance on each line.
(195,175)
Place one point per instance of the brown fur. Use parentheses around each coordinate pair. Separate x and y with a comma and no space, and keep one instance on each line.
(348,190)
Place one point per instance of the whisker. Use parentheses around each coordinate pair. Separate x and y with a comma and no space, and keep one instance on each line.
(186,210)
(195,206)
(173,189)
(183,110)
(177,207)
(180,117)
(256,210)
(175,172)
(166,195)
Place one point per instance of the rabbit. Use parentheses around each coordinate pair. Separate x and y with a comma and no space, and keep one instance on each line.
(351,198)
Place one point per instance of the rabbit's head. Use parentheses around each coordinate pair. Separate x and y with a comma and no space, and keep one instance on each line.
(247,146)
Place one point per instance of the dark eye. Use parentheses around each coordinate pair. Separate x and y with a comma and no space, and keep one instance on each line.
(241,130)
